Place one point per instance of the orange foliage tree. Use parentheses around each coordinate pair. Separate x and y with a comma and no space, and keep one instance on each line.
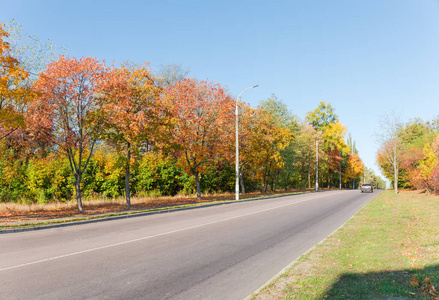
(355,165)
(130,106)
(69,109)
(203,116)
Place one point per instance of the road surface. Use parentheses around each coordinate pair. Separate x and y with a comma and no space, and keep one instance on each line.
(221,252)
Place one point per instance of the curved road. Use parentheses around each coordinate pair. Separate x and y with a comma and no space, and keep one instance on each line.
(221,252)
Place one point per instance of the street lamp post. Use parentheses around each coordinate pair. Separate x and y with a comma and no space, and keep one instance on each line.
(339,166)
(317,166)
(237,144)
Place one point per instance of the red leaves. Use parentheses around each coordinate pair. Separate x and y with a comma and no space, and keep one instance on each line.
(356,166)
(130,101)
(203,118)
(69,90)
(426,287)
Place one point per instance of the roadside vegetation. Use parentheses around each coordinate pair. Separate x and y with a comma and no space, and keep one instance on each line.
(76,128)
(389,250)
(13,215)
(409,153)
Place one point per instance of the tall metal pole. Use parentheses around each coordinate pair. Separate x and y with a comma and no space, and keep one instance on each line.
(317,165)
(237,144)
(237,152)
(339,171)
(353,175)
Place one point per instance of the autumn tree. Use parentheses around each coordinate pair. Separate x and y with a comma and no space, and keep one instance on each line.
(32,56)
(335,148)
(69,107)
(247,117)
(324,120)
(304,143)
(13,96)
(426,168)
(419,156)
(129,102)
(389,154)
(356,166)
(434,177)
(262,143)
(203,115)
(284,119)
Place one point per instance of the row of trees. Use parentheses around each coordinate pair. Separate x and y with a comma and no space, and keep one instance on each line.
(90,128)
(409,153)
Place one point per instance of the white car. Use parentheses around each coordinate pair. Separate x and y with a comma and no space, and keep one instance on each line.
(367,187)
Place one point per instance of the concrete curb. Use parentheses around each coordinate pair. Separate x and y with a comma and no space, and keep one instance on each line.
(134,214)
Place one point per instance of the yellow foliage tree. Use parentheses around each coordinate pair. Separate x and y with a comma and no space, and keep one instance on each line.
(262,142)
(427,166)
(335,147)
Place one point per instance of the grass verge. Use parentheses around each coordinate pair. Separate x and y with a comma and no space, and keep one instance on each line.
(13,215)
(389,250)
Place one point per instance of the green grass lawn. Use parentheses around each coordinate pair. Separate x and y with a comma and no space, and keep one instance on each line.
(389,250)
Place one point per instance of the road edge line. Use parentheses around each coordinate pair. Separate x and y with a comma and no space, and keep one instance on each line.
(249,297)
(140,214)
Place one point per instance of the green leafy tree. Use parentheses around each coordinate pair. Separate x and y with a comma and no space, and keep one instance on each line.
(322,116)
(286,176)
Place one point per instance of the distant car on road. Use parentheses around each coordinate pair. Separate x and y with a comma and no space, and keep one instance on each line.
(367,187)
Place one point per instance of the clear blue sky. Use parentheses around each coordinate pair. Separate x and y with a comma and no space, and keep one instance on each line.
(366,58)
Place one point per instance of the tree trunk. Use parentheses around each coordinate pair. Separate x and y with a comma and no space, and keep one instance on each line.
(127,176)
(78,192)
(339,173)
(241,175)
(353,179)
(263,183)
(309,176)
(395,169)
(302,181)
(266,182)
(197,180)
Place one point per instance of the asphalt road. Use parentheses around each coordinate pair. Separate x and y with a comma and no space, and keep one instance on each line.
(222,252)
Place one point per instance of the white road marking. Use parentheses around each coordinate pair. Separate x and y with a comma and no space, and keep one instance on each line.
(152,236)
